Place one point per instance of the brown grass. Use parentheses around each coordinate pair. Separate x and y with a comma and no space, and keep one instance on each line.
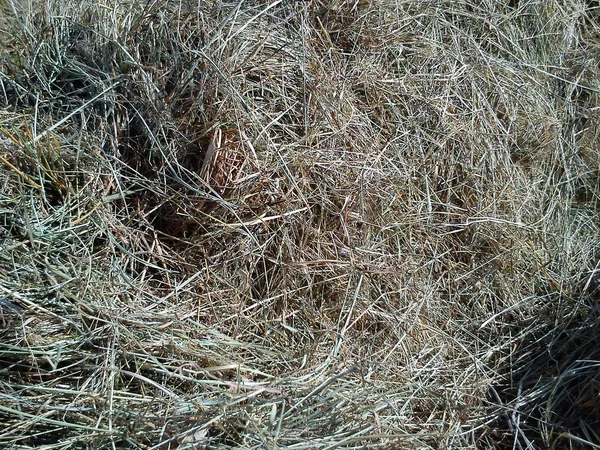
(299,225)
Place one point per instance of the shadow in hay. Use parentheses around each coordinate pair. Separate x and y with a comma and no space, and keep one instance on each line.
(551,393)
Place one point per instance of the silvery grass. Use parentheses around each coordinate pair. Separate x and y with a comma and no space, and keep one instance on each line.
(299,225)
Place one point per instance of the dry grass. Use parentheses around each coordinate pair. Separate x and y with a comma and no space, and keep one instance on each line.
(299,225)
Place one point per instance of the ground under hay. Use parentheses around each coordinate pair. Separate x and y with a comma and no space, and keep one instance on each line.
(299,225)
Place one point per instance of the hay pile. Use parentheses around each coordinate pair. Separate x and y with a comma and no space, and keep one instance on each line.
(299,225)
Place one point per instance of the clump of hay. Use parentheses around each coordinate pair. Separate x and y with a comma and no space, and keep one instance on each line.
(298,225)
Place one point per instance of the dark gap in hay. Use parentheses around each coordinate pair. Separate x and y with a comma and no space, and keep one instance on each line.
(520,156)
(583,100)
(590,283)
(41,368)
(263,277)
(203,192)
(14,365)
(227,435)
(593,5)
(141,368)
(9,316)
(177,204)
(135,148)
(587,193)
(12,225)
(49,166)
(41,435)
(324,294)
(99,243)
(180,217)
(338,20)
(193,158)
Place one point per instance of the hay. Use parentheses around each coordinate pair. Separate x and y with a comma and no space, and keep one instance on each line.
(299,225)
